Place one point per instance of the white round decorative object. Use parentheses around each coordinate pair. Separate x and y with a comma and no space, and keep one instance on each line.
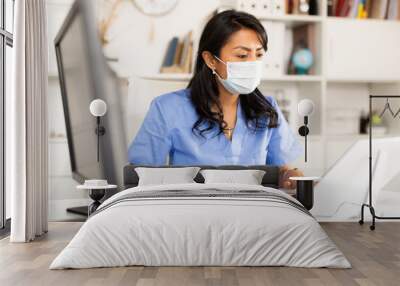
(93,187)
(155,7)
(98,107)
(305,107)
(96,183)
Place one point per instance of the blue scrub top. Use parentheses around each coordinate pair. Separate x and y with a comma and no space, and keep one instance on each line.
(167,130)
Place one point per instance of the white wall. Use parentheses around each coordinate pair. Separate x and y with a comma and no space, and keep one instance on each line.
(138,41)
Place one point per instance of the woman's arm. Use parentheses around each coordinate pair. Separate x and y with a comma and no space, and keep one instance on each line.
(285,172)
(152,143)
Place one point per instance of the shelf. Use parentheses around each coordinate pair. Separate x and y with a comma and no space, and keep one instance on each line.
(358,136)
(283,78)
(362,80)
(345,136)
(296,78)
(293,20)
(187,77)
(335,18)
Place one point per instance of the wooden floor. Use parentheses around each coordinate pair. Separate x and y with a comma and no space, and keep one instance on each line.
(375,257)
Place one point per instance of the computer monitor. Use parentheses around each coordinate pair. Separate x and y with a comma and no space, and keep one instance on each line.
(84,76)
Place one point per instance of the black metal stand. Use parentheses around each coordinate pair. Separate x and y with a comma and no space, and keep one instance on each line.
(370,205)
(82,210)
(100,131)
(305,193)
(96,195)
(303,131)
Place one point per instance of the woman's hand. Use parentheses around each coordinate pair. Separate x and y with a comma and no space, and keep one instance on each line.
(285,173)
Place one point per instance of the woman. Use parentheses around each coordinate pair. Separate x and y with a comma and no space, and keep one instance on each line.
(221,117)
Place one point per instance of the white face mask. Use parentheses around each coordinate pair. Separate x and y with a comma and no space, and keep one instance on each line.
(242,77)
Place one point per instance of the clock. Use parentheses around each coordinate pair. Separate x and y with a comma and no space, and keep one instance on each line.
(155,7)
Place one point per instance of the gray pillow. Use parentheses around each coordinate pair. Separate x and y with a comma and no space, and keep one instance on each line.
(163,176)
(249,177)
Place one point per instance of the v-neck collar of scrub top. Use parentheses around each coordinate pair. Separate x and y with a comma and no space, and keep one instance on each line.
(233,147)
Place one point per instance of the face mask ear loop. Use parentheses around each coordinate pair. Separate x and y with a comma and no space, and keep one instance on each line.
(213,71)
(219,59)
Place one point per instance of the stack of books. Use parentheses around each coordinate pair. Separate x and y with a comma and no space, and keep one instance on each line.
(364,9)
(178,57)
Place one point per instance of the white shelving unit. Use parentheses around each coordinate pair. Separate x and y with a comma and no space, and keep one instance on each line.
(354,58)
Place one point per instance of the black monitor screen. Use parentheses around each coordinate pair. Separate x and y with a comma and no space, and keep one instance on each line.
(77,84)
(85,76)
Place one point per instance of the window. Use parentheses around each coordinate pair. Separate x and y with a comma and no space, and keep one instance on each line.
(6,44)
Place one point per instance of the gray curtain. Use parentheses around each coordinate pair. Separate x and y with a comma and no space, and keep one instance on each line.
(27,123)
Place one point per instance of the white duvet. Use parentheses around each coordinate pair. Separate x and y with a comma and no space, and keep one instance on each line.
(200,231)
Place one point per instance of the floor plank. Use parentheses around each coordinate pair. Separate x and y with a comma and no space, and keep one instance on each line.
(374,255)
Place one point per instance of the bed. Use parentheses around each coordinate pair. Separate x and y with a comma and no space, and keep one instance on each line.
(199,224)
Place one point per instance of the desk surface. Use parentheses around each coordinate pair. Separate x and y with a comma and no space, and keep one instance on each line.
(290,192)
(304,178)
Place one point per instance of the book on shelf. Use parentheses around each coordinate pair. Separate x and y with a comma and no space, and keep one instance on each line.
(178,56)
(365,9)
(273,62)
(170,54)
(378,9)
(393,10)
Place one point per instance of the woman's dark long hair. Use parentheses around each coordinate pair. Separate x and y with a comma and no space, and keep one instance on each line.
(203,85)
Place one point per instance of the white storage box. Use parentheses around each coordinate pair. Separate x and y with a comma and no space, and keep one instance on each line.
(343,121)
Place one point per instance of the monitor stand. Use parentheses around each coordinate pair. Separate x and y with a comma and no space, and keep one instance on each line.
(96,194)
(83,210)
